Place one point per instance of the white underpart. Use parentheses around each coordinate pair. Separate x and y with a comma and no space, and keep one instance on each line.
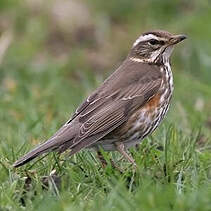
(167,53)
(155,55)
(144,38)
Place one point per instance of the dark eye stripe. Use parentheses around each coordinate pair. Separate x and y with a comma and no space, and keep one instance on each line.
(156,42)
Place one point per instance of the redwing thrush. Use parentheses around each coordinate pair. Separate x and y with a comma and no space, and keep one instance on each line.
(128,106)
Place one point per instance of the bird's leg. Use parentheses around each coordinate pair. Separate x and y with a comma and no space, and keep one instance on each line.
(104,162)
(102,159)
(121,149)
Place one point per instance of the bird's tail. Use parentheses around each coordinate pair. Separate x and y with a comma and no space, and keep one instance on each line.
(50,145)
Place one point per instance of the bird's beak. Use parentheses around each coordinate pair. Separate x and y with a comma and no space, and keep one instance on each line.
(177,38)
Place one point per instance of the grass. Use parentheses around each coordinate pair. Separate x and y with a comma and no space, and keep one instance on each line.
(47,71)
(170,176)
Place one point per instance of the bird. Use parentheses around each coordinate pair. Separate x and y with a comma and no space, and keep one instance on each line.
(128,106)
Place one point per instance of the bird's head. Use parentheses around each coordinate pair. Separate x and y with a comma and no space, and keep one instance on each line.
(154,47)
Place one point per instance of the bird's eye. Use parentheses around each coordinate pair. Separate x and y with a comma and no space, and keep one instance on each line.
(154,42)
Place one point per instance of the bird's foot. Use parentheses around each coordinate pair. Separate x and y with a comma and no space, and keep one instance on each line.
(121,149)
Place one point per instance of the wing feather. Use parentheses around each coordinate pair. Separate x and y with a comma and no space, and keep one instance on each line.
(113,113)
(109,107)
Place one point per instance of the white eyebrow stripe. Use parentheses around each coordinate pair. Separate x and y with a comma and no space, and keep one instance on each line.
(144,38)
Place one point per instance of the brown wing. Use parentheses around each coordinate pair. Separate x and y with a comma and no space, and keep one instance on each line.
(131,86)
(103,116)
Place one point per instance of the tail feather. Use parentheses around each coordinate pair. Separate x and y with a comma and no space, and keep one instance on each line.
(51,144)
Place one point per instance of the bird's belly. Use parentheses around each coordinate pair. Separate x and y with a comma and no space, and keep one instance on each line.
(139,125)
(145,125)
